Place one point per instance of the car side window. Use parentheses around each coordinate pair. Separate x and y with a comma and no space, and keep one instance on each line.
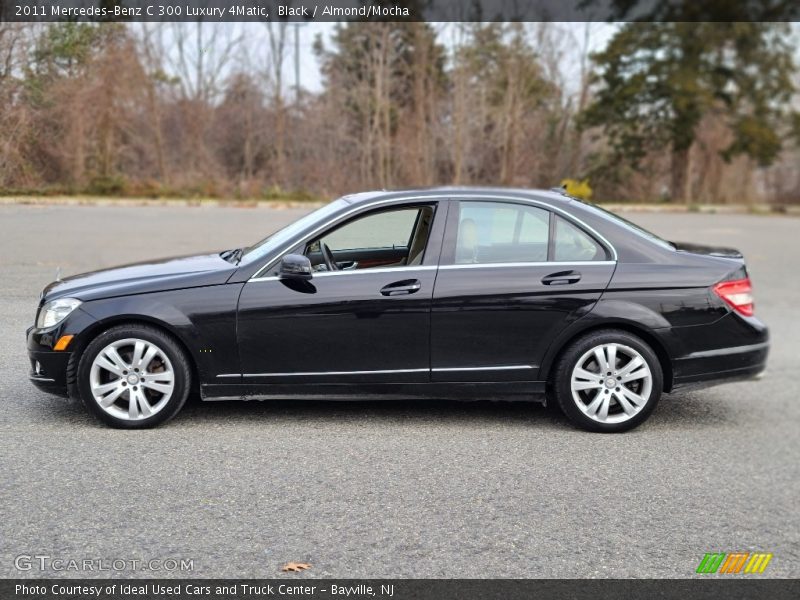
(573,244)
(385,238)
(496,232)
(388,229)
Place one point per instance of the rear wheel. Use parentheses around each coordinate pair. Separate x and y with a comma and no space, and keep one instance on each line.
(133,376)
(608,381)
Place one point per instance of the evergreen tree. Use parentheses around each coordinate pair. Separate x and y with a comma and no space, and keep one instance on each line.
(659,80)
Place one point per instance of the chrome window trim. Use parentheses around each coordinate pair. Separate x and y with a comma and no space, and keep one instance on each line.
(377,270)
(456,197)
(358,272)
(579,263)
(529,264)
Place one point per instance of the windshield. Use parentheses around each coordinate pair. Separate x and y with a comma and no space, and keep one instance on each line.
(282,236)
(610,216)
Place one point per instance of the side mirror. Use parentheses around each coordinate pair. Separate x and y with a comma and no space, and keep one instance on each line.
(295,266)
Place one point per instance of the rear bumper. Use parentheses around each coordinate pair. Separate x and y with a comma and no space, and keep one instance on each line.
(720,365)
(712,379)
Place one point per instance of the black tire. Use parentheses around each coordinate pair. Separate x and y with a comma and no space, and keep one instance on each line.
(562,376)
(176,355)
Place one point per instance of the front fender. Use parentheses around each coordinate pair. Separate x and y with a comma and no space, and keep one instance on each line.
(206,328)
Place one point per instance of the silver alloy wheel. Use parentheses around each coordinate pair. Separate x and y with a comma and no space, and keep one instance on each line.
(611,383)
(132,379)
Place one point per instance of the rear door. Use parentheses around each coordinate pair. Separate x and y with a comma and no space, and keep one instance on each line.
(512,275)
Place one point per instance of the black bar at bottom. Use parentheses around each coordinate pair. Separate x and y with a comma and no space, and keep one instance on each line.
(295,588)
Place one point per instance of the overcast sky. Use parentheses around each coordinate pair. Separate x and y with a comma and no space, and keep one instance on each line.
(309,67)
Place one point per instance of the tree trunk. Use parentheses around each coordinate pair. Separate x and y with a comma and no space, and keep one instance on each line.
(79,148)
(681,170)
(459,102)
(280,142)
(506,170)
(158,135)
(277,53)
(247,172)
(459,145)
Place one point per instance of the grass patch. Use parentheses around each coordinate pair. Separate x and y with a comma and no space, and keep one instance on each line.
(116,188)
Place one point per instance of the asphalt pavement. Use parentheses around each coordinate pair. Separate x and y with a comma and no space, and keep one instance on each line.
(392,489)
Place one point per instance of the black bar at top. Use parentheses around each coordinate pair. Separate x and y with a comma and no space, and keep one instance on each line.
(399,10)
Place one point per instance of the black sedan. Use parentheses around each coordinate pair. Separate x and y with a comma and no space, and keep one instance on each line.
(452,292)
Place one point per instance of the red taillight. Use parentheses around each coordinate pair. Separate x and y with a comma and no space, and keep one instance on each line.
(737,294)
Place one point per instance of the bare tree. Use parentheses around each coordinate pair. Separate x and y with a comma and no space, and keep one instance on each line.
(15,38)
(582,41)
(202,109)
(276,34)
(151,47)
(201,54)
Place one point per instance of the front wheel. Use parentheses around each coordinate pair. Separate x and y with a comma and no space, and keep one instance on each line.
(133,376)
(608,381)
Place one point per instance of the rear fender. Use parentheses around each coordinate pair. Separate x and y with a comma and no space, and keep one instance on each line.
(625,315)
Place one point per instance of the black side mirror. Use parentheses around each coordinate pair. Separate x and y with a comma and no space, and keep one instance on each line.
(295,266)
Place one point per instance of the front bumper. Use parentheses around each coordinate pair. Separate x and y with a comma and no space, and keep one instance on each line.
(49,371)
(48,367)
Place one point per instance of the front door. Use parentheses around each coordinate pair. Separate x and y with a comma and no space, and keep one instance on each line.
(364,317)
(512,275)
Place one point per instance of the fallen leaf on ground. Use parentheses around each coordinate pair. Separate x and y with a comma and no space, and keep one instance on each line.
(293,566)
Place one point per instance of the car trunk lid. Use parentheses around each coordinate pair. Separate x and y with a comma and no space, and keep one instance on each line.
(716,251)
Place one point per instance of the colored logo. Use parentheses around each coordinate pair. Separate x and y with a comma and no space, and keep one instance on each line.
(734,562)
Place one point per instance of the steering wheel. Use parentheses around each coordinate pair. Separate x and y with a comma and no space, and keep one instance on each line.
(327,256)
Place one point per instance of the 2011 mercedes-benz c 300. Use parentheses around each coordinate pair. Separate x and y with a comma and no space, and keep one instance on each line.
(442,293)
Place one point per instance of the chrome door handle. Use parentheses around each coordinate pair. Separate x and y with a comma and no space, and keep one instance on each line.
(561,278)
(398,288)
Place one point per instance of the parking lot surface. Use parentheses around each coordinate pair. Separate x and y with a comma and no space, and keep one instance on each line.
(392,489)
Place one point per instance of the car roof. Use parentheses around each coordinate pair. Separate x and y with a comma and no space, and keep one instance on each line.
(462,191)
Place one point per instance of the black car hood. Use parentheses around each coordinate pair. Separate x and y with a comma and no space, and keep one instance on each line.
(707,250)
(139,278)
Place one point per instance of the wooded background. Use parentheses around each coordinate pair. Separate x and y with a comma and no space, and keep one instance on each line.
(683,112)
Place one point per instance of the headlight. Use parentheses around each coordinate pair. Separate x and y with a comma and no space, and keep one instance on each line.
(56,311)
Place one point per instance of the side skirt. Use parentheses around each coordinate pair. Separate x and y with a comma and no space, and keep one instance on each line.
(529,391)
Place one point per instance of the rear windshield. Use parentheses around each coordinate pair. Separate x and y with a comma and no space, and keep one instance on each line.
(640,231)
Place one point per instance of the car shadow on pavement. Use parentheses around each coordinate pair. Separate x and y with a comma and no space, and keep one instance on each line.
(693,410)
(378,411)
(696,410)
(674,411)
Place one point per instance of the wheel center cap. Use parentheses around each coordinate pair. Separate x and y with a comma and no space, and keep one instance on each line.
(133,379)
(611,382)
